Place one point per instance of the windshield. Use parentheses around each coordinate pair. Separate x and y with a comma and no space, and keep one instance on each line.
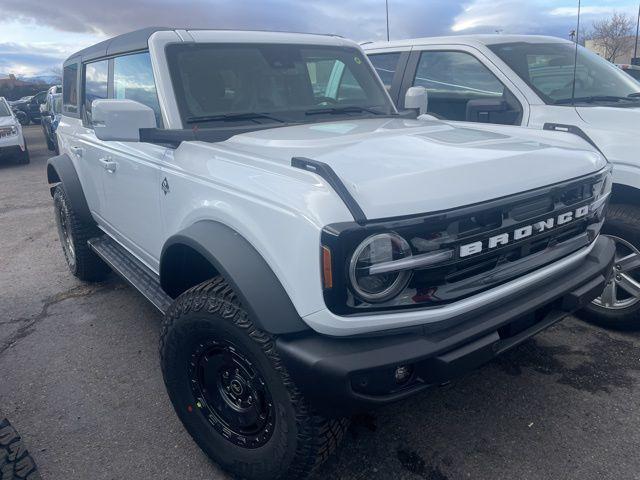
(263,83)
(548,69)
(4,109)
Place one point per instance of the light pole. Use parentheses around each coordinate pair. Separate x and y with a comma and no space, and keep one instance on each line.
(635,49)
(386,3)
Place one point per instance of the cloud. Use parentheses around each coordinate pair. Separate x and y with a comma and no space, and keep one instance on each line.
(69,25)
(30,59)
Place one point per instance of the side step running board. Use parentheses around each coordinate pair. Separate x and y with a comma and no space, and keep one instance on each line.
(138,275)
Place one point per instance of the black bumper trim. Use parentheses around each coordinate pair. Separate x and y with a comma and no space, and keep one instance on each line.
(343,375)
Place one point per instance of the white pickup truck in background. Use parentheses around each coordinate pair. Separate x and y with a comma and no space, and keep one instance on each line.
(528,81)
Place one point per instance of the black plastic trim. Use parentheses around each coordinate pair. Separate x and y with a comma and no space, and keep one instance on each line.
(60,169)
(560,127)
(258,288)
(326,172)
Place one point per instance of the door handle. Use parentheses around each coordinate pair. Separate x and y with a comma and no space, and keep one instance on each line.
(78,151)
(108,164)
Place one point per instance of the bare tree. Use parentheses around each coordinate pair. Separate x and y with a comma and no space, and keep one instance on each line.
(611,35)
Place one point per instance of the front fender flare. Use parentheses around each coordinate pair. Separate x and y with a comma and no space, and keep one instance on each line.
(259,290)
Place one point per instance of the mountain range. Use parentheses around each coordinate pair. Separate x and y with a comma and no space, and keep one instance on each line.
(36,79)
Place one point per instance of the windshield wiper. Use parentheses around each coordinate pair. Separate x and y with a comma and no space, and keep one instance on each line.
(634,95)
(597,98)
(339,110)
(233,117)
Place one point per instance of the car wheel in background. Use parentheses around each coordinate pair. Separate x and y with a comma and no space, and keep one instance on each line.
(15,461)
(619,305)
(23,118)
(233,394)
(23,155)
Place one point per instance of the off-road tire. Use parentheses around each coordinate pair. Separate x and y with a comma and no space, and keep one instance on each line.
(15,461)
(622,221)
(300,441)
(85,264)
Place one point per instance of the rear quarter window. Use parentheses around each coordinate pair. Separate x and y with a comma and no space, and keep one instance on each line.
(70,89)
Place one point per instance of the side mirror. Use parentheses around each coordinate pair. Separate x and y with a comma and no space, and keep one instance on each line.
(417,98)
(120,120)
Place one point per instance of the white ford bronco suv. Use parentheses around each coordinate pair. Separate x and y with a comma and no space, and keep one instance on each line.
(12,143)
(314,253)
(528,80)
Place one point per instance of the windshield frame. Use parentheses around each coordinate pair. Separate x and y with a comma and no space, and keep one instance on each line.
(583,53)
(294,115)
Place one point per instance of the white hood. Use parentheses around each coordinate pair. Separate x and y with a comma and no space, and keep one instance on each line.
(615,131)
(396,167)
(609,118)
(8,121)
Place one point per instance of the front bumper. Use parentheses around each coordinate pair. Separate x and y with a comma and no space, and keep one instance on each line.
(344,375)
(11,145)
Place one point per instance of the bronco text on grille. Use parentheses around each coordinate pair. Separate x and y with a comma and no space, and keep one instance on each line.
(455,254)
(523,232)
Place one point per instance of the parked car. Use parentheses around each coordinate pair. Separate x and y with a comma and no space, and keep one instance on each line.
(527,80)
(12,142)
(314,253)
(51,119)
(31,107)
(631,70)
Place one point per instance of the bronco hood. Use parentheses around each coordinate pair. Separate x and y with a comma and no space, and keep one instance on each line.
(395,167)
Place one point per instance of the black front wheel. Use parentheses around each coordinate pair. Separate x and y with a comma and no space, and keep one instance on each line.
(234,395)
(619,304)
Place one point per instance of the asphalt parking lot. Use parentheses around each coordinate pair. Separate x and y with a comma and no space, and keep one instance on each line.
(80,380)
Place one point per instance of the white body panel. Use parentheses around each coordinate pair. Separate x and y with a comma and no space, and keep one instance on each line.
(614,130)
(392,167)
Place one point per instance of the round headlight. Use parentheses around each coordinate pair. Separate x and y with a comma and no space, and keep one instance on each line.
(381,248)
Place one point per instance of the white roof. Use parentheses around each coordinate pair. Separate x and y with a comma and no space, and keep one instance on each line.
(474,40)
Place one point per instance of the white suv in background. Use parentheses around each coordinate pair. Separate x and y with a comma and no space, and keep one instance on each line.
(12,143)
(528,81)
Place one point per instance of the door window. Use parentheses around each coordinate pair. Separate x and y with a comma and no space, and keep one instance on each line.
(386,65)
(133,79)
(95,85)
(461,88)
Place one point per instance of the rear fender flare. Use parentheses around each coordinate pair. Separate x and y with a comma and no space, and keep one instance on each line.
(60,170)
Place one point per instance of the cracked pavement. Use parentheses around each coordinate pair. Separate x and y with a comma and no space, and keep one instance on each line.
(80,380)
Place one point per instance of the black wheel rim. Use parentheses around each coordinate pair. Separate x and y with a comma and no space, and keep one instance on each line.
(231,394)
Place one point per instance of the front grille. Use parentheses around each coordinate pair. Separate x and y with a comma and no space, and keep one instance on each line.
(468,274)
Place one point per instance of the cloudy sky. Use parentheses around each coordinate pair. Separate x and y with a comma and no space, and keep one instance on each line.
(35,36)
